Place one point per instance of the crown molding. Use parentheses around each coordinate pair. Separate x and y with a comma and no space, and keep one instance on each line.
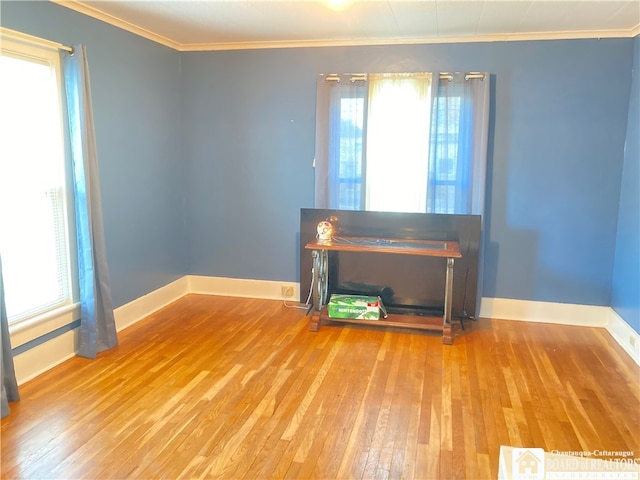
(512,37)
(86,9)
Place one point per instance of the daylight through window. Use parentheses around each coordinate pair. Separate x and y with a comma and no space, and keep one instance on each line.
(402,142)
(34,241)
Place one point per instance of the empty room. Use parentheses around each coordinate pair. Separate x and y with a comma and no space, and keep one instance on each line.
(319,239)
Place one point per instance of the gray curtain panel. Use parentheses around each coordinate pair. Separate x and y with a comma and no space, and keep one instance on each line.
(339,185)
(97,323)
(9,383)
(459,138)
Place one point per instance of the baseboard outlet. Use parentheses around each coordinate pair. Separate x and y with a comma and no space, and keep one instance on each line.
(565,314)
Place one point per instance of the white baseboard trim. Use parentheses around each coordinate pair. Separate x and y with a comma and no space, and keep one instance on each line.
(626,336)
(142,307)
(544,312)
(45,356)
(565,314)
(240,287)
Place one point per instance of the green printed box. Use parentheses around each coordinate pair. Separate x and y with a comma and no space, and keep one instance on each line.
(354,306)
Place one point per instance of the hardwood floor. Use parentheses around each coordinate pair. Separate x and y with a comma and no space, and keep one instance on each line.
(216,387)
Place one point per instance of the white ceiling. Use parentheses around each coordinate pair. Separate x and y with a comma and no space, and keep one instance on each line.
(236,24)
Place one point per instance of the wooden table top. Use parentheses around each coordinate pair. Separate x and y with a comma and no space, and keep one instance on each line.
(427,248)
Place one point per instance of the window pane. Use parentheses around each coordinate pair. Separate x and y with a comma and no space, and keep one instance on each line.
(33,233)
(350,156)
(445,198)
(444,181)
(351,113)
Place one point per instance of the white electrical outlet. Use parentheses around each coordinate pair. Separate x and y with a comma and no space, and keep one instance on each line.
(287,291)
(632,340)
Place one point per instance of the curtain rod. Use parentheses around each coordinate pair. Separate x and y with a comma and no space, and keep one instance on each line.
(25,37)
(362,77)
(467,76)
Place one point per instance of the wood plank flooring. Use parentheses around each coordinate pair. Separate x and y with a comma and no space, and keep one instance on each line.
(217,387)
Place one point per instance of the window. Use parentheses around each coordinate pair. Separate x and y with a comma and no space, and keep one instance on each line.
(350,165)
(348,147)
(34,233)
(402,142)
(445,144)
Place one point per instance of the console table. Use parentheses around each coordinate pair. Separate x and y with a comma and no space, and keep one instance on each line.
(448,250)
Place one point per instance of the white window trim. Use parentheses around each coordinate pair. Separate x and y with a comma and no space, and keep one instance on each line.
(28,329)
(31,327)
(29,40)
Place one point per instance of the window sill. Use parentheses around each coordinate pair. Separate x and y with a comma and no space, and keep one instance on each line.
(29,329)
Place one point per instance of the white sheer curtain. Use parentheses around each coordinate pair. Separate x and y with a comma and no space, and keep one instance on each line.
(398,125)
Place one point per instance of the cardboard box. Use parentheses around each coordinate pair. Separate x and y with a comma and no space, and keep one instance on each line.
(354,306)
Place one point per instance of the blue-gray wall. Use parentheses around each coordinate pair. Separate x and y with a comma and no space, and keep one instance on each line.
(625,297)
(556,154)
(136,98)
(206,156)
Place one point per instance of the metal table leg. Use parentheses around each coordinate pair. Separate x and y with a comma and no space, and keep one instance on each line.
(447,332)
(320,285)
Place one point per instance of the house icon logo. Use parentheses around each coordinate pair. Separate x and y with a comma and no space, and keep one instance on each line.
(528,464)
